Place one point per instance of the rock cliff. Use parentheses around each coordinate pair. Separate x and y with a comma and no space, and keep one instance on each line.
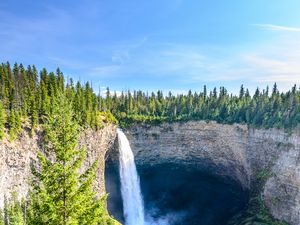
(231,151)
(16,158)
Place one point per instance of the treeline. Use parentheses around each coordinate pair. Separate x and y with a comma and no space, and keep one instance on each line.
(26,96)
(266,108)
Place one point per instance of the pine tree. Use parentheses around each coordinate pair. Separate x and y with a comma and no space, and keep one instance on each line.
(61,194)
(242,92)
(14,124)
(34,114)
(2,120)
(44,99)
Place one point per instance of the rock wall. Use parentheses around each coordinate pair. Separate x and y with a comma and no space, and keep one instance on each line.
(17,156)
(232,151)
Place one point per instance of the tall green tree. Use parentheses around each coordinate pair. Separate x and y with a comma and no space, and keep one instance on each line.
(14,124)
(62,195)
(2,120)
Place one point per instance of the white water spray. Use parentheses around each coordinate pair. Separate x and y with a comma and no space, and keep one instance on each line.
(130,184)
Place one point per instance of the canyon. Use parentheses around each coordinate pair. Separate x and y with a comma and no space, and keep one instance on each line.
(233,153)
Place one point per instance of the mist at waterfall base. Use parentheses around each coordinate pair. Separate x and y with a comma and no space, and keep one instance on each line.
(167,194)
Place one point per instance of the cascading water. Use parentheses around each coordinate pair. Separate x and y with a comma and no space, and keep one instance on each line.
(130,184)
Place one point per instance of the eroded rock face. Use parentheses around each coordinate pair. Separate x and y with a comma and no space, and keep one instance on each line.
(232,151)
(16,157)
(282,190)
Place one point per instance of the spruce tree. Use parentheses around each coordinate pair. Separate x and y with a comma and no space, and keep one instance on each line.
(2,120)
(34,117)
(13,125)
(62,195)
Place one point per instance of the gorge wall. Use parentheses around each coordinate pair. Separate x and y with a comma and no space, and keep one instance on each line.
(16,158)
(231,151)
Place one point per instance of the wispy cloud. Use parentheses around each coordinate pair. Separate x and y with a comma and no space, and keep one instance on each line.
(104,71)
(273,27)
(276,61)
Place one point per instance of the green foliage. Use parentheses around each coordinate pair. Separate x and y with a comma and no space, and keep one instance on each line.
(26,94)
(1,217)
(2,120)
(279,110)
(107,117)
(15,124)
(62,194)
(13,212)
(257,213)
(21,91)
(263,174)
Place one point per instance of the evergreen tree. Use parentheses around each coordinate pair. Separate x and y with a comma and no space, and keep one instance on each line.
(242,92)
(34,115)
(2,120)
(62,195)
(14,124)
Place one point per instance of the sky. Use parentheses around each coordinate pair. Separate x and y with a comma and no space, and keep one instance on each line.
(172,45)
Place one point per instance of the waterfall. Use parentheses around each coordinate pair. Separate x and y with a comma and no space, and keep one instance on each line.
(130,184)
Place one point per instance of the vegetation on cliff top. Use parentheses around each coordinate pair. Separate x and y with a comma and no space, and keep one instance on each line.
(26,95)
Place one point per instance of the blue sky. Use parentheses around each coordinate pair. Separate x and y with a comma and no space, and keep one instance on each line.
(159,44)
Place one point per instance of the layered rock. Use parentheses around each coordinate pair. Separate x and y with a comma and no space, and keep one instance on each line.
(16,158)
(232,151)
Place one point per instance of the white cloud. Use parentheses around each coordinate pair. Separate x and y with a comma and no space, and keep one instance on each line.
(269,69)
(273,27)
(261,64)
